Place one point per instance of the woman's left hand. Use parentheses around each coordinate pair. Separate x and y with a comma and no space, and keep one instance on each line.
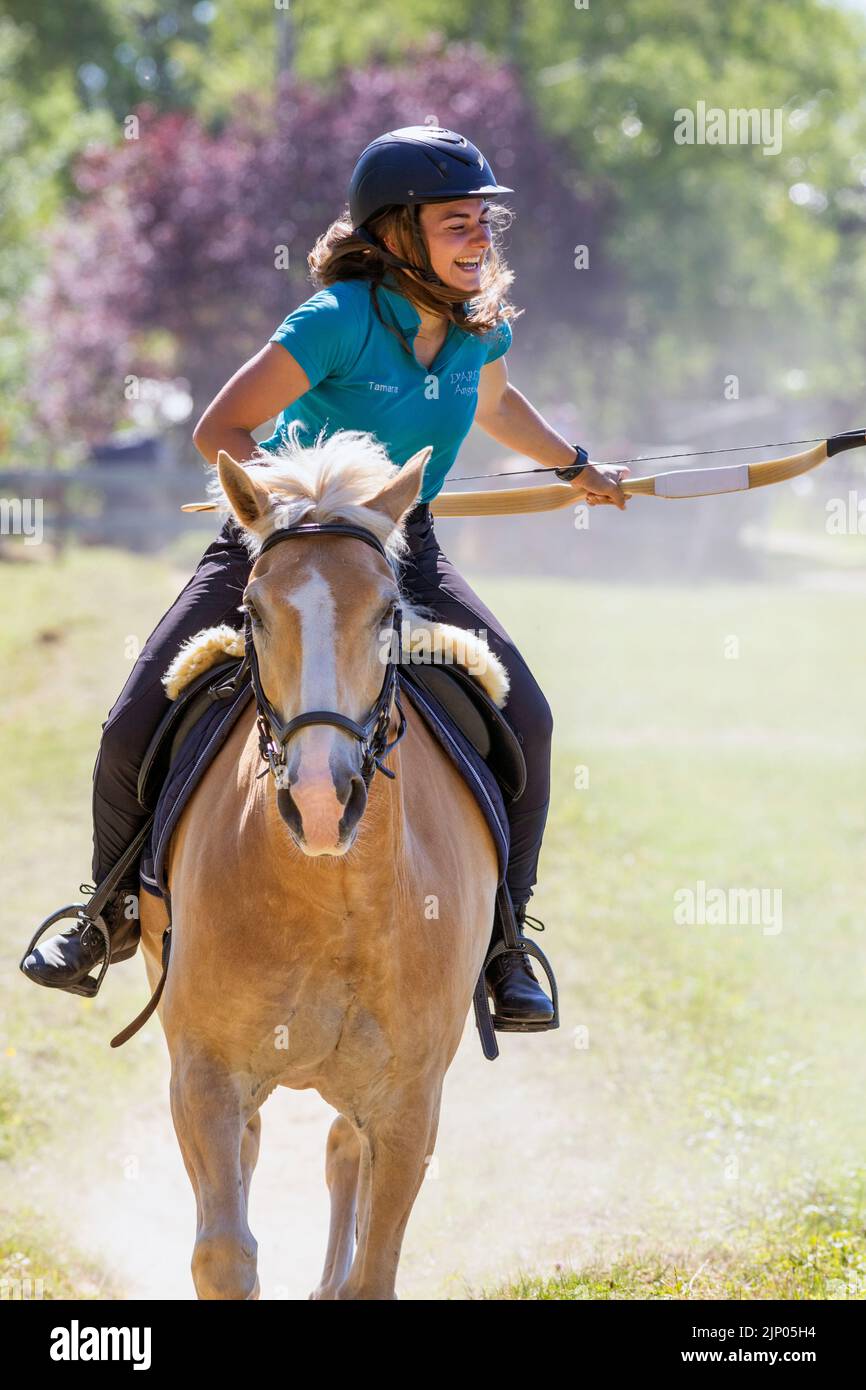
(599,485)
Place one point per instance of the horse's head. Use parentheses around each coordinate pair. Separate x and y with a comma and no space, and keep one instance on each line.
(321,608)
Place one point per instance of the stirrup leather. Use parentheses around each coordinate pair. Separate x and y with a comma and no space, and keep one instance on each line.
(89,914)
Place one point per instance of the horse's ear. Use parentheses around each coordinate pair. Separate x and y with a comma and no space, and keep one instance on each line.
(247,500)
(400,492)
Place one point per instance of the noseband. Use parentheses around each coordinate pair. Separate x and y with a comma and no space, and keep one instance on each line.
(274,734)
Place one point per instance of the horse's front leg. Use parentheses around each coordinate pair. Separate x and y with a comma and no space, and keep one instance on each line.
(341,1174)
(219,1140)
(397,1146)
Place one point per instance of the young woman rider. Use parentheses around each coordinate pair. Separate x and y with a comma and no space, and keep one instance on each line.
(407,339)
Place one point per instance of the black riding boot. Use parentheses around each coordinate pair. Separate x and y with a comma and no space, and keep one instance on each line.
(517,995)
(66,960)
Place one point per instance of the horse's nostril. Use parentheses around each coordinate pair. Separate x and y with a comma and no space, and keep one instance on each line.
(344,785)
(289,811)
(355,804)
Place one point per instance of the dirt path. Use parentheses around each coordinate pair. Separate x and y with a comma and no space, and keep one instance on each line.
(519,1180)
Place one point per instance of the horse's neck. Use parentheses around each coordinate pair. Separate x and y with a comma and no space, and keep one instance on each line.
(382,831)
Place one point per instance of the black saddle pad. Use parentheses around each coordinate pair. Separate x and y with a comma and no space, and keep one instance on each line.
(207,736)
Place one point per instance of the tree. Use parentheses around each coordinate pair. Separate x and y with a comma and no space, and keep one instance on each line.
(170,259)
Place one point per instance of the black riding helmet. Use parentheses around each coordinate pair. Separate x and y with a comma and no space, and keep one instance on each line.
(414,165)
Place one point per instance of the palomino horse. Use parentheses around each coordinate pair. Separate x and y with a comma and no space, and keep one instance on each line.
(323,935)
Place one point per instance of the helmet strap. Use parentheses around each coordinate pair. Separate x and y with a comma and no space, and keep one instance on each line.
(364,235)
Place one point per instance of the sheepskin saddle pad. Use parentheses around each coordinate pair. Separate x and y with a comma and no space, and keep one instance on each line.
(454,680)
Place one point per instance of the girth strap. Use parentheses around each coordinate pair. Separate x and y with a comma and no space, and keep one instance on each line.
(140,1019)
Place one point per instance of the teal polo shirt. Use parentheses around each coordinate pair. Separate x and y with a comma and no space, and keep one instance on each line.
(361,378)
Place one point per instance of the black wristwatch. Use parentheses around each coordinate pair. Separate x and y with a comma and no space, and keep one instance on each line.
(571,470)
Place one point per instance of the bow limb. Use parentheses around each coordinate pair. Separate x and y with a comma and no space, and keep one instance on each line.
(507,501)
(778,470)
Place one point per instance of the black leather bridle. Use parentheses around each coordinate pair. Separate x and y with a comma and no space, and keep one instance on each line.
(274,734)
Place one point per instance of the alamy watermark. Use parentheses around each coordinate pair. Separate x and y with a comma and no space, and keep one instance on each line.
(77,1343)
(723,907)
(22,516)
(737,126)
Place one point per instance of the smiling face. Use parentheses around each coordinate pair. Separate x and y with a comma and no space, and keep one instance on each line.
(458,237)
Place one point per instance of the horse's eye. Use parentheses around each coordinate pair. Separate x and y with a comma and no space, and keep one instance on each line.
(386,616)
(253,612)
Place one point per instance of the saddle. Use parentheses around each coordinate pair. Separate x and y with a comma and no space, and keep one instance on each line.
(457,708)
(454,690)
(201,694)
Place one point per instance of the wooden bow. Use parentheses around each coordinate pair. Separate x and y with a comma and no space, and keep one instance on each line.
(682,482)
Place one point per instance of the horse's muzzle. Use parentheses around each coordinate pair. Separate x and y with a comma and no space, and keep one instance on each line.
(323,818)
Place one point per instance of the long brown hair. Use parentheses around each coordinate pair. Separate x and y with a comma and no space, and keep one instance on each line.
(338,255)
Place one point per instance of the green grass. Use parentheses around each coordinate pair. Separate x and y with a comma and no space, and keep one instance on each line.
(720,1068)
(723,736)
(810,1261)
(37,1264)
(813,1248)
(64,648)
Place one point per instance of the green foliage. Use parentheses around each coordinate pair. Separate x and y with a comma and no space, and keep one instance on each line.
(707,259)
(43,126)
(711,242)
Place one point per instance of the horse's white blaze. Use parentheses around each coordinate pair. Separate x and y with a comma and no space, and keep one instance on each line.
(313,791)
(317,611)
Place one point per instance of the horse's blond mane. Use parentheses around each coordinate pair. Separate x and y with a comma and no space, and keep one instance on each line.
(328,480)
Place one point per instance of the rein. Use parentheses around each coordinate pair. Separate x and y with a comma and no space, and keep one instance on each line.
(274,733)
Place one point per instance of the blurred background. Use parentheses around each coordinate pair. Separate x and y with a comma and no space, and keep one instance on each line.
(167,167)
(696,1127)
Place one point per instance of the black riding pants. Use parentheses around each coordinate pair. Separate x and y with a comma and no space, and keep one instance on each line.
(213,595)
